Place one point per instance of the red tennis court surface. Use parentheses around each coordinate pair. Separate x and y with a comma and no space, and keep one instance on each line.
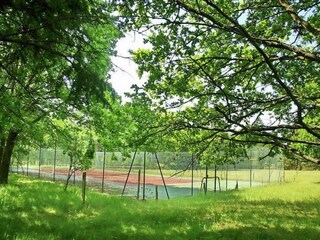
(120,177)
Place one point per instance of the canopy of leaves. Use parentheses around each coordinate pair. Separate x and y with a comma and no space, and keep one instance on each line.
(53,54)
(245,71)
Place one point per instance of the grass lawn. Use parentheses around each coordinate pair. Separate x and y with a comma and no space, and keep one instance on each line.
(37,209)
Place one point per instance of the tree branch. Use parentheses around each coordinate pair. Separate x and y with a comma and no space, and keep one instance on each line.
(298,19)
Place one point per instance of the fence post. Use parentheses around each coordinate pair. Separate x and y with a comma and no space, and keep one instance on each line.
(74,177)
(206,185)
(18,161)
(144,176)
(284,172)
(39,170)
(192,176)
(215,178)
(157,193)
(269,170)
(84,185)
(54,160)
(250,172)
(103,169)
(138,189)
(227,171)
(28,158)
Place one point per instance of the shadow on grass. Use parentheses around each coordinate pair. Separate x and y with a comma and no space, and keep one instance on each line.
(260,233)
(32,209)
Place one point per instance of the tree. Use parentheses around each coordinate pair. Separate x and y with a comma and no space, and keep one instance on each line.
(54,60)
(147,130)
(242,71)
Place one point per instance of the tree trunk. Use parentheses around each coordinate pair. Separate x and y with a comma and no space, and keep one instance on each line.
(70,172)
(84,186)
(2,141)
(6,156)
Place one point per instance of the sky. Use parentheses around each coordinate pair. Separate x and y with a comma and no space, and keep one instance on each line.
(125,70)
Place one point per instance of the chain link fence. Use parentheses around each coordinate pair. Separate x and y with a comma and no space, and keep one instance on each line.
(152,175)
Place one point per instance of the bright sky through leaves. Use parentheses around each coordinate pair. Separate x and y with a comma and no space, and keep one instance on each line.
(125,70)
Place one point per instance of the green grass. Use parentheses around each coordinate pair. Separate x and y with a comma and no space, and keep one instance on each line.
(35,209)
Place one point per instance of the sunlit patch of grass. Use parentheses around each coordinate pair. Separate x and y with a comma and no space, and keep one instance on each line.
(50,210)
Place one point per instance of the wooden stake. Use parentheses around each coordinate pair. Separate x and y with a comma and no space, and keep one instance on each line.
(138,190)
(84,184)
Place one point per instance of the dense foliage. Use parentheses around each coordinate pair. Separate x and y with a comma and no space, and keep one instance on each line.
(54,61)
(241,71)
(222,75)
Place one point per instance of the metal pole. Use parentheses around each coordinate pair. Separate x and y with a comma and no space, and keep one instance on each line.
(74,176)
(157,193)
(28,158)
(192,176)
(269,171)
(39,170)
(284,172)
(164,183)
(125,184)
(227,170)
(206,186)
(138,189)
(144,177)
(18,161)
(55,160)
(215,178)
(74,172)
(250,173)
(84,186)
(103,169)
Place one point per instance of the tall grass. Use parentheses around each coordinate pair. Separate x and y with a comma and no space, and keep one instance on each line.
(35,209)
